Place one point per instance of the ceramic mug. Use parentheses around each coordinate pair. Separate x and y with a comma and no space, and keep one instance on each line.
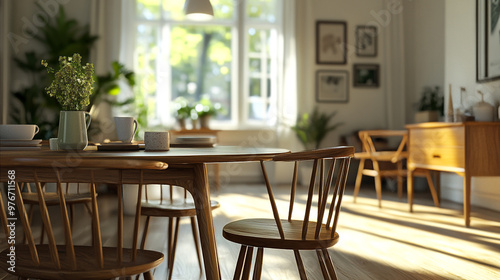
(157,141)
(18,131)
(125,128)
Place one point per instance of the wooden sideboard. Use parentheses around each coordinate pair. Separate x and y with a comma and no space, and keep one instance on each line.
(468,149)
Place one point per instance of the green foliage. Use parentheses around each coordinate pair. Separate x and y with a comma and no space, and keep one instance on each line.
(311,129)
(432,100)
(204,107)
(182,108)
(73,83)
(59,36)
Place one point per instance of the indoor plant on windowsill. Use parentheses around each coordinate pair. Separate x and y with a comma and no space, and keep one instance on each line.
(205,110)
(72,87)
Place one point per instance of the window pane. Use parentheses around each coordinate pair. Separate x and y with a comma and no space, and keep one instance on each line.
(254,89)
(145,58)
(148,9)
(223,9)
(173,9)
(254,66)
(257,109)
(262,10)
(200,57)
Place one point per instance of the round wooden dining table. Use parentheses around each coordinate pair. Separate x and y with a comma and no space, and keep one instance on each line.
(186,168)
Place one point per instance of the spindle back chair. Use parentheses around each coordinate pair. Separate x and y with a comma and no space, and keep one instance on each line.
(69,261)
(315,230)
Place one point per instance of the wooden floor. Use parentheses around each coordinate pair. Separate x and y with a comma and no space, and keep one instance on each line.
(387,243)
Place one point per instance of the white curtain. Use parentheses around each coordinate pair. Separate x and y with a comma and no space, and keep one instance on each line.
(395,66)
(106,22)
(287,105)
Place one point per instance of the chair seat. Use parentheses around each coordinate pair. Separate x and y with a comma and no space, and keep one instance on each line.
(264,233)
(53,198)
(382,156)
(176,208)
(87,267)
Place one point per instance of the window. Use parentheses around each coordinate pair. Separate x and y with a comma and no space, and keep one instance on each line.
(232,60)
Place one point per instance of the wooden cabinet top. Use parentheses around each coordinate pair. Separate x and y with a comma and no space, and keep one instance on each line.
(448,124)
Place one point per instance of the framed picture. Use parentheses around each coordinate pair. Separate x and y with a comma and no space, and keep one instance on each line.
(332,86)
(331,40)
(366,41)
(488,40)
(366,75)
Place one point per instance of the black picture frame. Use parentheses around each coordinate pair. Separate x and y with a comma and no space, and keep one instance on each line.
(366,41)
(487,40)
(332,86)
(331,42)
(366,75)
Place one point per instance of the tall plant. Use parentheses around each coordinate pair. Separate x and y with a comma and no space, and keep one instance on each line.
(312,128)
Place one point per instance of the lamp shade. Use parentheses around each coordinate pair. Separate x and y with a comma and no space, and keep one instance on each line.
(199,9)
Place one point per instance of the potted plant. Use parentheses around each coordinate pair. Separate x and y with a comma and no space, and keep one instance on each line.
(311,129)
(182,111)
(430,106)
(205,110)
(72,87)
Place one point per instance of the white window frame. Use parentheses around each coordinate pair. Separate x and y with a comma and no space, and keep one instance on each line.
(240,75)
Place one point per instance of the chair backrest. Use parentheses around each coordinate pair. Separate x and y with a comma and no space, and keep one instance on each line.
(327,185)
(86,170)
(367,136)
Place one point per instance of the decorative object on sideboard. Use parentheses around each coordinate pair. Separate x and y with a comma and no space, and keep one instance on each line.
(449,113)
(431,105)
(483,111)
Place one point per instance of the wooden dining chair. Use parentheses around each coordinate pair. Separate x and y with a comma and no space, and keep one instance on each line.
(315,230)
(61,258)
(52,199)
(386,163)
(174,209)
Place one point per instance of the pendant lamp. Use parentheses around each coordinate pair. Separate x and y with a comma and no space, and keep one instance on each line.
(199,9)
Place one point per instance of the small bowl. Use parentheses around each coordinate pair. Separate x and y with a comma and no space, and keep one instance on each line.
(18,131)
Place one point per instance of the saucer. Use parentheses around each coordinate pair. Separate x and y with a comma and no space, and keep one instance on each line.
(20,143)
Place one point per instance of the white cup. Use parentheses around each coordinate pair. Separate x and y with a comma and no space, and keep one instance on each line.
(18,131)
(125,128)
(157,141)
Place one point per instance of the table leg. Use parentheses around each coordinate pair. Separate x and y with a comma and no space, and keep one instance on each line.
(467,194)
(201,197)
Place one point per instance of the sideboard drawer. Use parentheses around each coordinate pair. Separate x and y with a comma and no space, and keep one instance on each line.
(438,137)
(437,156)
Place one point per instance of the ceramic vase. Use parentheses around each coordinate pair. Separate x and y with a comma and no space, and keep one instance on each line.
(73,127)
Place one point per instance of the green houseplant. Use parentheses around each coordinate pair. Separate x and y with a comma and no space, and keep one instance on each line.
(431,105)
(312,128)
(205,109)
(72,87)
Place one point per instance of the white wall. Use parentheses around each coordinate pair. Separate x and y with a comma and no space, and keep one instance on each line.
(366,107)
(424,49)
(460,70)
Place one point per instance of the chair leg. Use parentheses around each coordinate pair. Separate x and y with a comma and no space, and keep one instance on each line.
(400,180)
(240,262)
(248,264)
(173,244)
(148,275)
(432,188)
(322,265)
(329,264)
(257,270)
(300,265)
(357,185)
(196,243)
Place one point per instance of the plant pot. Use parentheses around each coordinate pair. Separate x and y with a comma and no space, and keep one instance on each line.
(204,121)
(182,124)
(427,116)
(73,127)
